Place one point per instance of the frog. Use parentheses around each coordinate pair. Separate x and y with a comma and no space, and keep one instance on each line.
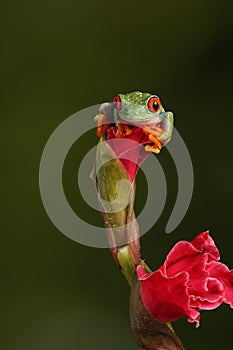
(140,109)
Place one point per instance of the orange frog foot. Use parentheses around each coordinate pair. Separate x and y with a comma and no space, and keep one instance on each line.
(123,129)
(156,147)
(102,127)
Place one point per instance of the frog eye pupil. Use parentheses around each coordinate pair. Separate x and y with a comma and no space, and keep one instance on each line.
(117,102)
(154,104)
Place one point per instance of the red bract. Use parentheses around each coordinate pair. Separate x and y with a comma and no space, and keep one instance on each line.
(130,155)
(191,279)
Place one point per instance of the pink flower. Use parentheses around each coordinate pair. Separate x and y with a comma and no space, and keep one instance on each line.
(191,279)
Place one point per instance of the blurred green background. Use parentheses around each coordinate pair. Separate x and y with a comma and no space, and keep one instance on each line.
(57,58)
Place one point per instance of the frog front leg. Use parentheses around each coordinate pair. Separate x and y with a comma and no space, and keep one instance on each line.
(123,129)
(153,132)
(102,124)
(161,134)
(104,119)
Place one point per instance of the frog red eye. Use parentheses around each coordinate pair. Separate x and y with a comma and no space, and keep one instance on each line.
(117,102)
(154,104)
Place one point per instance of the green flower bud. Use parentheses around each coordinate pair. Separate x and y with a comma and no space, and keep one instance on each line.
(116,194)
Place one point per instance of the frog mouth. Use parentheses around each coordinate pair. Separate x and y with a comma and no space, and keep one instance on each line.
(144,121)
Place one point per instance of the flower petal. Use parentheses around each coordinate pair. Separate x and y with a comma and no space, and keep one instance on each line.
(166,298)
(178,258)
(211,298)
(205,244)
(225,276)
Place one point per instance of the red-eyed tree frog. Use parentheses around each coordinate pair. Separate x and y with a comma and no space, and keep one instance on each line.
(140,109)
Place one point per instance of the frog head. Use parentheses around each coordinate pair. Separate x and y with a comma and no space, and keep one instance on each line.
(144,110)
(137,106)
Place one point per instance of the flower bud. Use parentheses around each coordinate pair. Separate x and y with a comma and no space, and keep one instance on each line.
(116,194)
